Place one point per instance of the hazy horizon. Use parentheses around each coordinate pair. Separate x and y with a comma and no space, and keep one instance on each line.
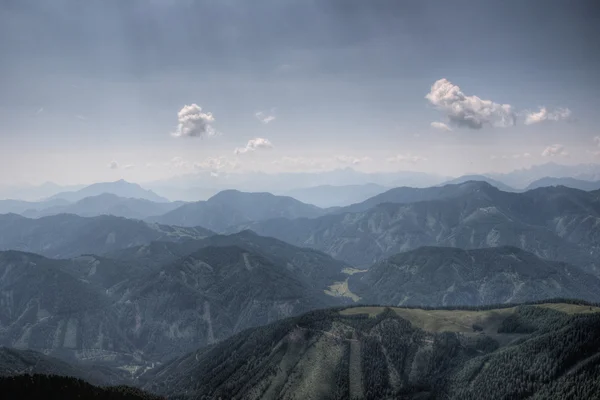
(144,91)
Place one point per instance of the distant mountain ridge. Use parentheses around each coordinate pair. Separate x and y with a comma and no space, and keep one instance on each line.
(106,204)
(120,188)
(480,178)
(326,196)
(554,223)
(66,235)
(401,195)
(567,182)
(434,276)
(232,207)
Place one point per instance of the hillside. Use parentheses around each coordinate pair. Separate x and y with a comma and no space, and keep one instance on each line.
(438,276)
(119,188)
(104,204)
(553,223)
(127,311)
(48,387)
(232,207)
(46,309)
(378,353)
(64,235)
(15,362)
(210,295)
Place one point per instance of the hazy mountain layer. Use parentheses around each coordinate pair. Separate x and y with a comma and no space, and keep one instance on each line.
(63,236)
(105,204)
(568,182)
(232,207)
(119,188)
(336,196)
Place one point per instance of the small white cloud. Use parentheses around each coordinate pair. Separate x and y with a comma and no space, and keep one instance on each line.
(39,111)
(129,166)
(597,140)
(509,156)
(300,163)
(264,117)
(441,126)
(559,114)
(149,165)
(406,158)
(469,111)
(253,145)
(192,122)
(342,159)
(177,162)
(555,150)
(80,117)
(113,165)
(216,164)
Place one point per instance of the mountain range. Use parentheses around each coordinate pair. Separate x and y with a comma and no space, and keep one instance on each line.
(65,235)
(119,188)
(555,223)
(104,204)
(326,196)
(567,182)
(232,207)
(123,311)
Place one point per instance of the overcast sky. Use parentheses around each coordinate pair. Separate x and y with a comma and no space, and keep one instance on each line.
(147,89)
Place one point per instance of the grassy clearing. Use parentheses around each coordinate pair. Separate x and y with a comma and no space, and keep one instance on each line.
(571,308)
(461,320)
(340,289)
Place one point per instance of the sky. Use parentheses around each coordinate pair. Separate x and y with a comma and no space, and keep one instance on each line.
(149,89)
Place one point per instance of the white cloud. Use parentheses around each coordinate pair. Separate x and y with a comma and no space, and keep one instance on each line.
(113,165)
(300,163)
(350,159)
(469,111)
(406,158)
(441,126)
(597,140)
(192,122)
(177,162)
(216,164)
(253,145)
(555,150)
(509,156)
(129,166)
(264,117)
(39,111)
(543,114)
